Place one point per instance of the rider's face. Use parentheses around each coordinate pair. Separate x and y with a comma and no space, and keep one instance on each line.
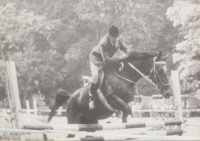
(113,40)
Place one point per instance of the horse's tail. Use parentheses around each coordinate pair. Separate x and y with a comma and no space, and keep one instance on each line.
(61,97)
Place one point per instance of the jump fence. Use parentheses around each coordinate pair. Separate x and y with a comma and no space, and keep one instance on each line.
(94,131)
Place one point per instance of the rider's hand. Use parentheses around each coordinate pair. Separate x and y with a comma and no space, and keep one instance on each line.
(123,57)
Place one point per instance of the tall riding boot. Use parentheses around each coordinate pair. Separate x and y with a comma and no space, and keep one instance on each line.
(92,93)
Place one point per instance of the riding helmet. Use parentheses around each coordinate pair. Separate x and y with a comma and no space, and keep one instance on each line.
(113,31)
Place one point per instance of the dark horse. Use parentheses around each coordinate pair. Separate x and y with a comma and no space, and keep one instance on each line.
(117,87)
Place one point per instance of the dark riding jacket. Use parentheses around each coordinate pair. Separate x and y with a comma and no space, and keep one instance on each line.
(105,50)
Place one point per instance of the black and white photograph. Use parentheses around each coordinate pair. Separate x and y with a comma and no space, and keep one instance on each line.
(99,70)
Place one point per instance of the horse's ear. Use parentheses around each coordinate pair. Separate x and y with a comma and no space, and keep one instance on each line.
(164,58)
(159,55)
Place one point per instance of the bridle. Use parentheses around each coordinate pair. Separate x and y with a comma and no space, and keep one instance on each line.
(156,76)
(153,71)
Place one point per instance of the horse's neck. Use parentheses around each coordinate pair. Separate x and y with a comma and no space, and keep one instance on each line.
(114,78)
(116,84)
(143,66)
(128,75)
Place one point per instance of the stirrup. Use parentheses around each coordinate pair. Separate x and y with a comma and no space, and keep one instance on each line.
(90,94)
(91,105)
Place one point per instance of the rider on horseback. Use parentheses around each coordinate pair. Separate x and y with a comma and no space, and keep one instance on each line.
(102,56)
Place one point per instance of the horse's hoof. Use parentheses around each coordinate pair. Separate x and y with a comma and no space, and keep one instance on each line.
(128,110)
(124,121)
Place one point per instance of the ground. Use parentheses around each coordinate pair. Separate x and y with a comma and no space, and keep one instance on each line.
(191,126)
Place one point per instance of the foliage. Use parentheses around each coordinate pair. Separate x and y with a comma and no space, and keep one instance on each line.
(141,22)
(185,15)
(17,25)
(20,30)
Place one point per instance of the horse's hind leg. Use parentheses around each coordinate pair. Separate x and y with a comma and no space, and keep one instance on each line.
(126,109)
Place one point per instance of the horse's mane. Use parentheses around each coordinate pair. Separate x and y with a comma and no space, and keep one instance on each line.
(134,55)
(140,55)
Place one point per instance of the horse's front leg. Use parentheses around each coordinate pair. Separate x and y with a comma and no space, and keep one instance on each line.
(123,106)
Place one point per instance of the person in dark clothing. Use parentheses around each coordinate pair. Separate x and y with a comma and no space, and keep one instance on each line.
(101,56)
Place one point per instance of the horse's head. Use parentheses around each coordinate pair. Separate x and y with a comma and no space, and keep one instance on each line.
(152,65)
(158,75)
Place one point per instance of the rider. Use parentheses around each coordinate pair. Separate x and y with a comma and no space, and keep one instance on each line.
(102,56)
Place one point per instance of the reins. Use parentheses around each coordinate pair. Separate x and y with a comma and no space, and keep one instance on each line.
(124,78)
(133,67)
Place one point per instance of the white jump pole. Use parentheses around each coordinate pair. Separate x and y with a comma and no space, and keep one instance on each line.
(60,110)
(177,95)
(115,135)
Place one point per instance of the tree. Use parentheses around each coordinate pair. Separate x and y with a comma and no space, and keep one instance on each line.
(185,16)
(141,22)
(41,45)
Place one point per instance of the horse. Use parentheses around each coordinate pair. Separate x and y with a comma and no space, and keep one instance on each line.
(117,88)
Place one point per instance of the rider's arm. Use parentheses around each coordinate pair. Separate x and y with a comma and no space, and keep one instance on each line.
(123,46)
(105,56)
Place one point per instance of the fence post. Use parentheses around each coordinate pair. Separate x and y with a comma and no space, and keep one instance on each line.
(13,95)
(28,111)
(176,95)
(14,92)
(28,107)
(35,109)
